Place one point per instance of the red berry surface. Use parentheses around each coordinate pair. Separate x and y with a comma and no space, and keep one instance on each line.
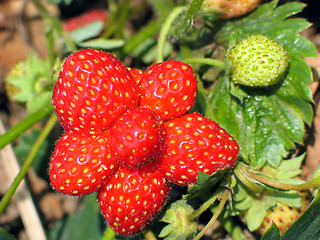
(195,144)
(136,74)
(136,137)
(132,198)
(85,19)
(168,88)
(92,90)
(81,164)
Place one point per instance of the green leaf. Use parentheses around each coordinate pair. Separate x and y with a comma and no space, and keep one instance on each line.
(89,31)
(204,183)
(257,212)
(308,225)
(31,82)
(273,233)
(138,39)
(151,54)
(102,43)
(162,8)
(85,224)
(4,235)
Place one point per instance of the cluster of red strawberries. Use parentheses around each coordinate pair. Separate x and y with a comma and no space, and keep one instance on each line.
(128,134)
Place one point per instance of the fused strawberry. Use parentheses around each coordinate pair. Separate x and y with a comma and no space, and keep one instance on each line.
(195,144)
(136,74)
(85,19)
(137,137)
(81,164)
(132,198)
(168,88)
(92,90)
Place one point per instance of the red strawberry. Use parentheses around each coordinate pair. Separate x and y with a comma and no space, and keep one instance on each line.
(168,88)
(92,90)
(136,137)
(132,198)
(85,19)
(136,73)
(195,144)
(81,164)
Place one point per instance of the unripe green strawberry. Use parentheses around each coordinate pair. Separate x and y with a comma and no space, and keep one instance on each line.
(258,61)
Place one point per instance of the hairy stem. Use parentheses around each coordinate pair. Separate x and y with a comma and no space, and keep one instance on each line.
(165,30)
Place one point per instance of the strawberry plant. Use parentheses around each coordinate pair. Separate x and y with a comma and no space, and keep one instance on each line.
(165,120)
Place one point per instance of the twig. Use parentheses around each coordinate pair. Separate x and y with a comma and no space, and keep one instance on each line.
(24,202)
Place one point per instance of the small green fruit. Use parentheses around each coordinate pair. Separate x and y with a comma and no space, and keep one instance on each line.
(258,61)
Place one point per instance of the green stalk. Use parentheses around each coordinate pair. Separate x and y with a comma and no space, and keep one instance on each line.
(149,235)
(21,127)
(145,33)
(215,216)
(24,169)
(165,30)
(258,177)
(117,19)
(205,206)
(109,234)
(207,61)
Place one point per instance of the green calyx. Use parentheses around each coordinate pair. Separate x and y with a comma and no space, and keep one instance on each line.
(180,223)
(258,61)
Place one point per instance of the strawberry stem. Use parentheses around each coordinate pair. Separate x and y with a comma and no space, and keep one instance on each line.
(207,61)
(109,234)
(28,122)
(149,235)
(254,186)
(258,177)
(32,154)
(215,216)
(205,206)
(165,29)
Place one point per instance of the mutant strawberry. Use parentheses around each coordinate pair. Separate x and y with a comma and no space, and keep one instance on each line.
(195,144)
(85,19)
(132,198)
(231,8)
(136,74)
(258,61)
(92,90)
(168,88)
(81,164)
(137,137)
(283,215)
